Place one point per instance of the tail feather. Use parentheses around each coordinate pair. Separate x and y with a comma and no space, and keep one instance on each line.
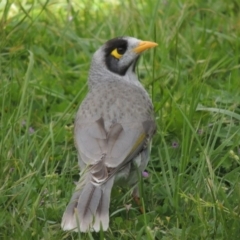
(102,214)
(88,208)
(68,220)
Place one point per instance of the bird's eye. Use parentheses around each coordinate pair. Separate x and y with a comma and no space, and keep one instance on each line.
(121,50)
(118,52)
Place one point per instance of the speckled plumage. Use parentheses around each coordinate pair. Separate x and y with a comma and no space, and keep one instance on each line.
(113,129)
(112,102)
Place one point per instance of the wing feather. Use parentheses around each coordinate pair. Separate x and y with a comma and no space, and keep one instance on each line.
(118,146)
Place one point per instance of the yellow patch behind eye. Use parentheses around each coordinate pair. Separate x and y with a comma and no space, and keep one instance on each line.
(116,54)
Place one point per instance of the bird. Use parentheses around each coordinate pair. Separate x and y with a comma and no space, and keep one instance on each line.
(113,130)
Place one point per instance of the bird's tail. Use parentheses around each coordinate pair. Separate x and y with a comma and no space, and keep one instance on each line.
(88,209)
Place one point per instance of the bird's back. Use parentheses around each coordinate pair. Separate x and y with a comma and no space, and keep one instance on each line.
(116,101)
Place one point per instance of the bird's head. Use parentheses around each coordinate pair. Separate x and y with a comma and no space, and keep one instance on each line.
(118,57)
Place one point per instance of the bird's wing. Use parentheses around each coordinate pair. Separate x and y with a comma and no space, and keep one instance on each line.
(111,150)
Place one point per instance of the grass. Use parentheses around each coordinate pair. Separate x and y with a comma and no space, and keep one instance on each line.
(193,190)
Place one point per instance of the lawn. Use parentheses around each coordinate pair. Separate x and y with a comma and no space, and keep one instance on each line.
(193,76)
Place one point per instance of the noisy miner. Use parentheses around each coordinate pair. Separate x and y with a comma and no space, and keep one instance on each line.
(113,131)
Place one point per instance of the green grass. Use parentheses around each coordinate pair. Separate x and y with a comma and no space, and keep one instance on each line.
(193,191)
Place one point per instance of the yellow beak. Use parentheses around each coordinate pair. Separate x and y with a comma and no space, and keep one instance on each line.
(144,45)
